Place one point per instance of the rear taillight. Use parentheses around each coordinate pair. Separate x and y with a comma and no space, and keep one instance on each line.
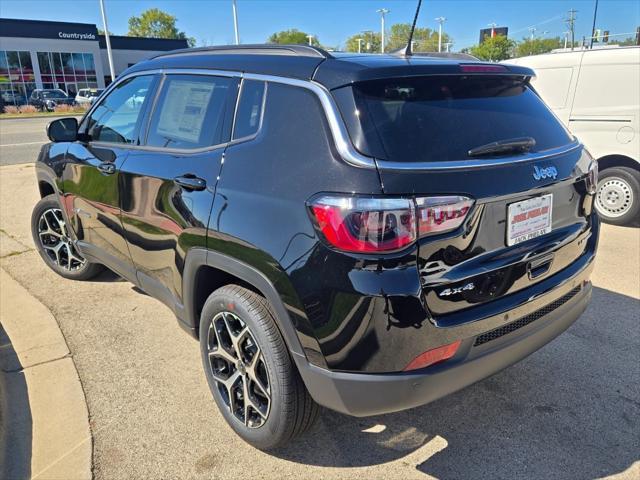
(441,214)
(358,224)
(370,225)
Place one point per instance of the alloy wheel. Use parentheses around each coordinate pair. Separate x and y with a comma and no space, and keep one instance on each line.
(54,238)
(239,370)
(614,197)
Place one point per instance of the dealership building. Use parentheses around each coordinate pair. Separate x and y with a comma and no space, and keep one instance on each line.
(70,56)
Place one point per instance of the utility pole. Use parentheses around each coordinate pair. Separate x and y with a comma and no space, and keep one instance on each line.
(360,40)
(440,21)
(107,41)
(310,37)
(593,28)
(382,12)
(571,21)
(235,21)
(533,32)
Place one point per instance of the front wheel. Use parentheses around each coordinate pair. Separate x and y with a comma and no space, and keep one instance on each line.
(618,195)
(249,370)
(54,244)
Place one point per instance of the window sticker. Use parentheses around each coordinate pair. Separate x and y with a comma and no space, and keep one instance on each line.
(185,106)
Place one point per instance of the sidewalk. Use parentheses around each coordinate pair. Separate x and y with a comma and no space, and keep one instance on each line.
(44,427)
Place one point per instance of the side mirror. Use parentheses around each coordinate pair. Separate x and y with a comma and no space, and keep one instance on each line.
(63,130)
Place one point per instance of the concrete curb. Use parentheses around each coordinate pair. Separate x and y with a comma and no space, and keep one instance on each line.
(41,393)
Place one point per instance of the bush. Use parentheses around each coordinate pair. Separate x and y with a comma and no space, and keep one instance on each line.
(71,108)
(28,109)
(11,109)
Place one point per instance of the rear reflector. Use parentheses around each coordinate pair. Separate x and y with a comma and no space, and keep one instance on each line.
(431,357)
(483,68)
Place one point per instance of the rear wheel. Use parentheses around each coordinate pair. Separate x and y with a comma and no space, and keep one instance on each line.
(250,373)
(618,195)
(55,245)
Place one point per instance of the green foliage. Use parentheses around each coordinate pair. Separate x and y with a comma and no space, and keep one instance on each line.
(623,42)
(370,42)
(494,49)
(537,46)
(424,39)
(154,23)
(292,37)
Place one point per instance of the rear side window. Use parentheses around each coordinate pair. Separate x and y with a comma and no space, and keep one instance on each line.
(191,112)
(250,106)
(441,118)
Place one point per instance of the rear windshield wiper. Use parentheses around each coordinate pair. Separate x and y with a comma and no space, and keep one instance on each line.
(512,145)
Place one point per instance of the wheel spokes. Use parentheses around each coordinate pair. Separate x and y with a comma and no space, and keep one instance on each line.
(238,366)
(53,235)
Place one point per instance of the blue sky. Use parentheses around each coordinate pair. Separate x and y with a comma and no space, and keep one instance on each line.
(210,21)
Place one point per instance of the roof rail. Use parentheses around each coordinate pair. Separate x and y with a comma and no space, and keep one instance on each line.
(252,49)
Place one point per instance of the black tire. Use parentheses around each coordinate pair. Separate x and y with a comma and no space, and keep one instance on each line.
(74,266)
(618,196)
(291,410)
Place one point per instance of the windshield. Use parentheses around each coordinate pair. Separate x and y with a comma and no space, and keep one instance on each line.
(443,117)
(53,94)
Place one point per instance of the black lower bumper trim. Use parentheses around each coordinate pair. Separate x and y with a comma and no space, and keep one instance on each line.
(372,394)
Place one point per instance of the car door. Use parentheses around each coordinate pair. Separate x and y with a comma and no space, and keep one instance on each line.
(91,176)
(168,185)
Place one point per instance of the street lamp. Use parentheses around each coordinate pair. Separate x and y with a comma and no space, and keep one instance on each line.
(382,12)
(440,21)
(310,37)
(107,41)
(360,40)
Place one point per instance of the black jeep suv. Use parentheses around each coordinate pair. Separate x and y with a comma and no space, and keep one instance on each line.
(364,232)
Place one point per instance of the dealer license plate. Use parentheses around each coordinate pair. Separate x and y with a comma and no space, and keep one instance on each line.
(529,219)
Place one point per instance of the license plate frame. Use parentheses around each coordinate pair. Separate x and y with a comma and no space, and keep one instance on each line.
(530,218)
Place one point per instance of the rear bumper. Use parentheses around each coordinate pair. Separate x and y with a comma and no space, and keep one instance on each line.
(372,394)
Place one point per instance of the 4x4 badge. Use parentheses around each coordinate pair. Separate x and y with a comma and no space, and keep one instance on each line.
(546,172)
(452,291)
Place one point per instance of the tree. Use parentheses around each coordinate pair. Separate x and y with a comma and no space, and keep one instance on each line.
(537,46)
(370,42)
(154,23)
(292,37)
(495,49)
(424,39)
(101,32)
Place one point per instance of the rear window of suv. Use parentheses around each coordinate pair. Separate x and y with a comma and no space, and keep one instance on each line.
(442,117)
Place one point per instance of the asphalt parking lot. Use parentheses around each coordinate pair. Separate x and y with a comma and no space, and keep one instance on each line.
(570,410)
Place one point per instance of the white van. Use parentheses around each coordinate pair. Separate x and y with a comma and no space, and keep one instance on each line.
(596,93)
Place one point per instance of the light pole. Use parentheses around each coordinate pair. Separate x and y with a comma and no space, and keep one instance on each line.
(493,28)
(593,28)
(235,22)
(107,41)
(382,12)
(310,37)
(440,21)
(533,32)
(360,40)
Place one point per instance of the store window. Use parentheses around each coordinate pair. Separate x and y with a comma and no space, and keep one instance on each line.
(17,79)
(67,71)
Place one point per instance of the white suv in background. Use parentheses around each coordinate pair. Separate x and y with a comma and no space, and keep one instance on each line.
(86,96)
(596,94)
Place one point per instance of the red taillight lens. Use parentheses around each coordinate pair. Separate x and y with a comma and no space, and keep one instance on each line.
(358,224)
(441,214)
(368,225)
(431,357)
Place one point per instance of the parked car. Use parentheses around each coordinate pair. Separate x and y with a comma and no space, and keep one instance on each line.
(47,99)
(596,95)
(366,233)
(12,97)
(86,96)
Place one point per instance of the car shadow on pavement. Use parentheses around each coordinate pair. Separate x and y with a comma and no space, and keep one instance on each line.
(15,414)
(570,410)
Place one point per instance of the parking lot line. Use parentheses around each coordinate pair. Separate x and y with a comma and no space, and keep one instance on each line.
(20,144)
